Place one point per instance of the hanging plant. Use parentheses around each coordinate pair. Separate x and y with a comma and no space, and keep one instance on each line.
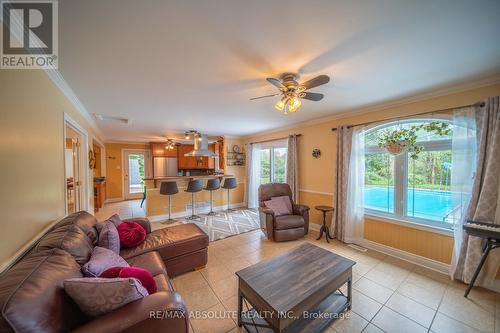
(403,140)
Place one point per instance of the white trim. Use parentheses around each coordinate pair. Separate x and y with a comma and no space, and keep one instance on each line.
(314,226)
(139,143)
(64,87)
(488,81)
(397,253)
(205,210)
(407,256)
(26,247)
(414,225)
(84,150)
(315,192)
(111,200)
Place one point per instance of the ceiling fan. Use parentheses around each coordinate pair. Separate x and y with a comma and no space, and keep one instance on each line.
(291,91)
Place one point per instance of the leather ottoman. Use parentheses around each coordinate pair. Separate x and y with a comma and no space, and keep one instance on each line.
(182,248)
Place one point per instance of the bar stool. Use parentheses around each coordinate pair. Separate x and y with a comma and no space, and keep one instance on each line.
(194,185)
(229,183)
(212,185)
(169,188)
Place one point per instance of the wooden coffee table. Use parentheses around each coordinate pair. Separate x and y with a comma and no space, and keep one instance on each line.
(297,291)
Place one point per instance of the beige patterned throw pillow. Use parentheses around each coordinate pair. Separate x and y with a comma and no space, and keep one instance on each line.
(97,296)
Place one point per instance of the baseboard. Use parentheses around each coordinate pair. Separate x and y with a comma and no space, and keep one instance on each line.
(204,210)
(406,256)
(314,227)
(26,247)
(397,253)
(110,200)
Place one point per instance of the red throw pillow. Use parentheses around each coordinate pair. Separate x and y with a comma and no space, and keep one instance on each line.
(138,273)
(131,234)
(112,272)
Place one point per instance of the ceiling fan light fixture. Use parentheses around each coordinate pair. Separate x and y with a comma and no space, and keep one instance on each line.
(280,105)
(294,104)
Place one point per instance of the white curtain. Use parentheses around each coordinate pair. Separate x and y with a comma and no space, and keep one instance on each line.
(464,156)
(253,174)
(292,167)
(484,198)
(348,201)
(356,182)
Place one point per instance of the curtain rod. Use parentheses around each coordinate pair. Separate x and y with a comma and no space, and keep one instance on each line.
(480,104)
(286,137)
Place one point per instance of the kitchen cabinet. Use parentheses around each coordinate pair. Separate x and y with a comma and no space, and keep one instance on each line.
(99,194)
(185,162)
(159,150)
(193,162)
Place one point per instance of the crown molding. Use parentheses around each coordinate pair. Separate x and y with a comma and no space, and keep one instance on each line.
(64,87)
(233,137)
(484,82)
(119,142)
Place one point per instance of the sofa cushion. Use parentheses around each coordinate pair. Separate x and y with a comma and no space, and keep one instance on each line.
(70,238)
(171,242)
(115,219)
(109,237)
(32,295)
(289,222)
(150,261)
(83,220)
(101,260)
(97,296)
(162,283)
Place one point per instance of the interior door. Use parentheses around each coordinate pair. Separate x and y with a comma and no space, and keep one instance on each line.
(73,170)
(136,167)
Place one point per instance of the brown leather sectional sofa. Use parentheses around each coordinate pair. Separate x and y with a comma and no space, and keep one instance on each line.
(32,295)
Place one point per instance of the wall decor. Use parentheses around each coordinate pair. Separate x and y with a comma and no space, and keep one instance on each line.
(316,153)
(91,159)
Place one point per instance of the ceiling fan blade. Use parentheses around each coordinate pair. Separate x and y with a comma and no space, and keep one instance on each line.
(277,83)
(312,96)
(317,81)
(265,96)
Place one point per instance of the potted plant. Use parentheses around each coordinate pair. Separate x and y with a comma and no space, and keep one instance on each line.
(403,140)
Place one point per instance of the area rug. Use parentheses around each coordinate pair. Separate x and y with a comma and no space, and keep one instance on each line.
(222,225)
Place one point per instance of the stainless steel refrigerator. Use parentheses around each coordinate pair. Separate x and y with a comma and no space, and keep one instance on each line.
(165,166)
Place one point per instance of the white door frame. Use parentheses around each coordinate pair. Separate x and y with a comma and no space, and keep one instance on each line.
(147,169)
(84,163)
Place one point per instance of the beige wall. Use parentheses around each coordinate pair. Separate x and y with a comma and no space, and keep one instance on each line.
(114,166)
(316,176)
(238,171)
(32,180)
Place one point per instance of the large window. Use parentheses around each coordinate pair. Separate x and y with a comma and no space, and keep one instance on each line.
(273,165)
(417,190)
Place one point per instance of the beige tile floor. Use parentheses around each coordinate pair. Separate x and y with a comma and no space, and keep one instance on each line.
(389,295)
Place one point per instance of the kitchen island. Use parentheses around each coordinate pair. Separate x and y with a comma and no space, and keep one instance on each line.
(157,204)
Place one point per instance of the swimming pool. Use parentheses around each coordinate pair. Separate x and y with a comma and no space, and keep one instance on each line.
(425,204)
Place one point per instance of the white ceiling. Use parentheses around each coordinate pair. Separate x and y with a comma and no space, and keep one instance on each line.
(171,66)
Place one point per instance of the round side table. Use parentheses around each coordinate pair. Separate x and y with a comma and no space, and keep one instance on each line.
(324,227)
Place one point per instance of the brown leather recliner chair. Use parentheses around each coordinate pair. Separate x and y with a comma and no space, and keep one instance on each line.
(283,227)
